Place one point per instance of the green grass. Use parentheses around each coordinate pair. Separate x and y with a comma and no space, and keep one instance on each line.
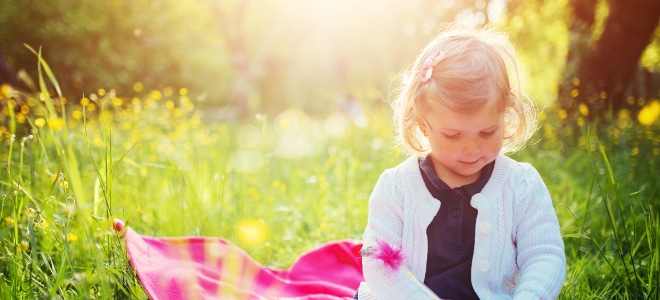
(276,186)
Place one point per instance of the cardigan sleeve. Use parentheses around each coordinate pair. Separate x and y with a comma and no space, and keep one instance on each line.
(541,256)
(385,224)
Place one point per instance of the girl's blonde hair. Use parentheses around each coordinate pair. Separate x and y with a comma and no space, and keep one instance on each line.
(475,69)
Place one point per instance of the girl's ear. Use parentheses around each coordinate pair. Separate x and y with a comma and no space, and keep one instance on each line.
(423,127)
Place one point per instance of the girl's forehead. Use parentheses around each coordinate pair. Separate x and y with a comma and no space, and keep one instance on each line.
(480,109)
(487,115)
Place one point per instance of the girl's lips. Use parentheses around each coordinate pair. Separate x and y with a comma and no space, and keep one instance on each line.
(469,162)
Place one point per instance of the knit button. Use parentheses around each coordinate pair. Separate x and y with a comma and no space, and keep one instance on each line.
(484,265)
(455,213)
(478,197)
(485,227)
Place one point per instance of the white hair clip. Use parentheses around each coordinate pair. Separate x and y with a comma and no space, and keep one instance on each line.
(430,62)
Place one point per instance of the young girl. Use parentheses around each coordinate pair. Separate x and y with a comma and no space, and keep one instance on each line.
(469,222)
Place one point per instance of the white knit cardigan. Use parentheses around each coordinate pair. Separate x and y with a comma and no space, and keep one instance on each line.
(518,248)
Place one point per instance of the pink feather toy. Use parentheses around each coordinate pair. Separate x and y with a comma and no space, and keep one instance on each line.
(393,260)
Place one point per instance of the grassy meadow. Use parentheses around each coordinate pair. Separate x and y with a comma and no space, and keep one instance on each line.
(279,185)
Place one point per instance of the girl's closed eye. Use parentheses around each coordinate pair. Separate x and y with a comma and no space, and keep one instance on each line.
(451,136)
(488,133)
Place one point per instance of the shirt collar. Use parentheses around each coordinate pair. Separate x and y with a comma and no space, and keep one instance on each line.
(428,170)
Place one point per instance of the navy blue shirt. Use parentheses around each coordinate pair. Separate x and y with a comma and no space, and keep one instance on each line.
(451,234)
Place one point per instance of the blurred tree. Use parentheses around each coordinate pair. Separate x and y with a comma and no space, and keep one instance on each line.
(601,68)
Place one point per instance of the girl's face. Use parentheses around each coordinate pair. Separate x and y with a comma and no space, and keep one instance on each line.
(462,144)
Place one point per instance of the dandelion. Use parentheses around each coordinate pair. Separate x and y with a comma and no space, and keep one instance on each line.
(543,116)
(55,124)
(76,114)
(251,232)
(635,151)
(279,186)
(117,101)
(70,237)
(649,113)
(9,221)
(6,90)
(156,95)
(85,101)
(138,86)
(20,118)
(563,114)
(23,246)
(43,224)
(101,92)
(584,109)
(576,81)
(641,101)
(624,119)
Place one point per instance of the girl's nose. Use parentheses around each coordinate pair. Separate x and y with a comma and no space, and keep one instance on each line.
(471,147)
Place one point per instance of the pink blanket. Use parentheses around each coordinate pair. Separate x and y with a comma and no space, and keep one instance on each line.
(214,268)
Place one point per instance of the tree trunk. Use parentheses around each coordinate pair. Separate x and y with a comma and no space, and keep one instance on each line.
(601,76)
(6,76)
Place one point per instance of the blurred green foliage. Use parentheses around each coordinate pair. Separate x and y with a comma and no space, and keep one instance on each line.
(264,56)
(116,43)
(251,54)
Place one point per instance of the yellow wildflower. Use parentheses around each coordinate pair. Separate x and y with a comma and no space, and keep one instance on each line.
(70,237)
(576,81)
(584,109)
(23,246)
(156,95)
(6,90)
(116,101)
(76,114)
(251,232)
(649,113)
(84,101)
(43,224)
(55,124)
(138,86)
(9,221)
